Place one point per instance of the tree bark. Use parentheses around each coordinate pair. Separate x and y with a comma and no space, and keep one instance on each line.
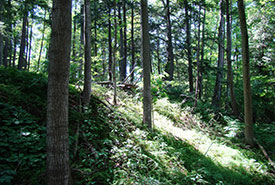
(218,86)
(202,53)
(188,44)
(124,63)
(228,57)
(30,48)
(249,135)
(121,51)
(169,68)
(23,42)
(114,57)
(145,57)
(58,170)
(87,46)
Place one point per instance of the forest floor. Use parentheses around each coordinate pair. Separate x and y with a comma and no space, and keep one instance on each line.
(109,144)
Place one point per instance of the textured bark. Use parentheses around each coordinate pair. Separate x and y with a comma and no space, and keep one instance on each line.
(228,57)
(22,59)
(188,44)
(87,47)
(202,53)
(169,68)
(81,46)
(58,169)
(110,44)
(249,135)
(218,86)
(145,57)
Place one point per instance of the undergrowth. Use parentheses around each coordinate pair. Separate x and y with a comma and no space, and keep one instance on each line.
(110,145)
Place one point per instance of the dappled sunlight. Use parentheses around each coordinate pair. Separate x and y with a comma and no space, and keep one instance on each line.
(218,152)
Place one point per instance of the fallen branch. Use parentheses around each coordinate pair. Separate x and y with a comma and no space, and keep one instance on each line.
(265,154)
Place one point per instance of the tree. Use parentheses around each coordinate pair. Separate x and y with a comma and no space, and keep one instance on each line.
(218,86)
(188,44)
(23,42)
(87,46)
(145,52)
(228,57)
(58,169)
(249,136)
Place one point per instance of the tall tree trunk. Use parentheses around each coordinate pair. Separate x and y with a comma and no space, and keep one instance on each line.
(145,57)
(1,48)
(124,64)
(158,53)
(27,45)
(22,59)
(169,68)
(110,43)
(81,46)
(74,33)
(30,47)
(114,56)
(202,52)
(198,60)
(188,44)
(249,135)
(95,35)
(42,41)
(87,46)
(218,86)
(133,45)
(58,168)
(228,57)
(121,51)
(5,52)
(14,50)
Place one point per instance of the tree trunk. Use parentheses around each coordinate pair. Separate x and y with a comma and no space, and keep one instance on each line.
(114,57)
(27,45)
(87,46)
(1,48)
(188,44)
(133,45)
(5,52)
(22,59)
(158,53)
(145,57)
(228,57)
(121,51)
(42,41)
(198,60)
(30,48)
(249,136)
(81,46)
(124,63)
(218,86)
(110,43)
(202,52)
(14,50)
(58,169)
(169,68)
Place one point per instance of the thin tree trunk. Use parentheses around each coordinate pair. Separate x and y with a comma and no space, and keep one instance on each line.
(249,135)
(1,48)
(74,33)
(202,53)
(58,167)
(188,44)
(114,57)
(23,42)
(42,41)
(110,43)
(145,53)
(5,52)
(121,51)
(95,35)
(14,50)
(133,45)
(198,60)
(30,48)
(218,86)
(27,45)
(158,53)
(228,57)
(87,46)
(169,68)
(124,64)
(81,46)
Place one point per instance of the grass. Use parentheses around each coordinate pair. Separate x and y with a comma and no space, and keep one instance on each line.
(115,148)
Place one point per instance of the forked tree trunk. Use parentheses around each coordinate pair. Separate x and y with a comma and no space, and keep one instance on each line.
(145,53)
(58,168)
(249,135)
(87,45)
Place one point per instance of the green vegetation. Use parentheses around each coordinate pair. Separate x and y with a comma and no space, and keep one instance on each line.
(109,145)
